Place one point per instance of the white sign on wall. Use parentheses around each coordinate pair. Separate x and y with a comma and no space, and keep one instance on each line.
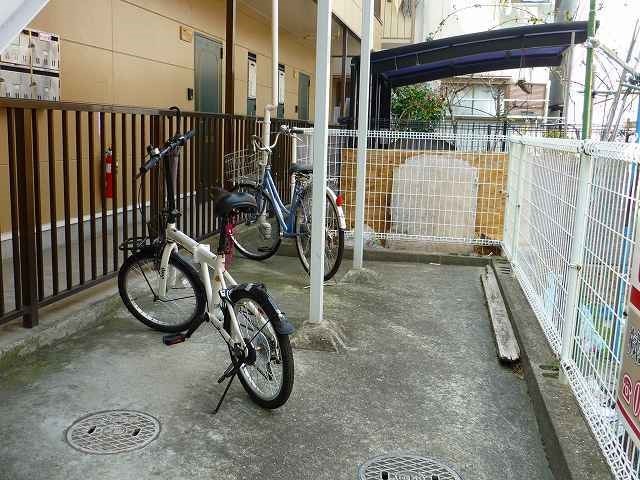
(252,80)
(281,86)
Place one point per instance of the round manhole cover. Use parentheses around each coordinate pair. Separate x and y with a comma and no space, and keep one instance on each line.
(405,467)
(115,431)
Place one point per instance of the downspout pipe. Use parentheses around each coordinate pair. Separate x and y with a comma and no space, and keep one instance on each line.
(271,107)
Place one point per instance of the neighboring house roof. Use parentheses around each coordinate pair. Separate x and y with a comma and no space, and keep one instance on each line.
(518,47)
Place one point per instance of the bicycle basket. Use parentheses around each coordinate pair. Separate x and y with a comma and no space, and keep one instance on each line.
(241,166)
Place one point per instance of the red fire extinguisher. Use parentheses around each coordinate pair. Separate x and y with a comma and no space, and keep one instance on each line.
(108,174)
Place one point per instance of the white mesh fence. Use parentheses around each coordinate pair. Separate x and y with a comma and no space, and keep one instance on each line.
(569,233)
(421,188)
(564,213)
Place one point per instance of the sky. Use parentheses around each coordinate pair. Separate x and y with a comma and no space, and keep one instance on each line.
(617,20)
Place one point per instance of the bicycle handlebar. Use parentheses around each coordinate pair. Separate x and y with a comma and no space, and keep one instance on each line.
(155,154)
(258,144)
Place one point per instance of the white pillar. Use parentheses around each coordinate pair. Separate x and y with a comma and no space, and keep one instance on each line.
(363,127)
(320,150)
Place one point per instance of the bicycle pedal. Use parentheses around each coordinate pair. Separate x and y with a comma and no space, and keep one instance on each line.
(169,340)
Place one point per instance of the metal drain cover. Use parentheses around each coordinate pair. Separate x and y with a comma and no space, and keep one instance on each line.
(405,467)
(114,431)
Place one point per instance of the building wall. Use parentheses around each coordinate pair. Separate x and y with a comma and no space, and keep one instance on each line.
(129,52)
(350,13)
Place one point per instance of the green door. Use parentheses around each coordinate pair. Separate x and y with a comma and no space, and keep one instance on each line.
(304,84)
(208,63)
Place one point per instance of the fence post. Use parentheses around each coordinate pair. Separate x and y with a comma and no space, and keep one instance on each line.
(519,147)
(25,163)
(576,257)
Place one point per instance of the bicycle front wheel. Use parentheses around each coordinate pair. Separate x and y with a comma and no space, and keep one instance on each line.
(185,299)
(257,234)
(267,375)
(333,235)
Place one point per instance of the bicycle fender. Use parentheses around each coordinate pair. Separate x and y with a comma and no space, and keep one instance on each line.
(282,325)
(341,219)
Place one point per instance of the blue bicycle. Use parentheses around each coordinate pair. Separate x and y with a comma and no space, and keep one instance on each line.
(258,235)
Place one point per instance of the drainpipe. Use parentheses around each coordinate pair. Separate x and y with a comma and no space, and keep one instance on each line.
(271,107)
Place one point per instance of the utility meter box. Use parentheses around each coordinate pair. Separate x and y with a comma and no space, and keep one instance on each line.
(15,84)
(46,51)
(45,87)
(18,51)
(30,66)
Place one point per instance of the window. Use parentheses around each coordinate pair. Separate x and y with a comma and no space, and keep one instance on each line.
(477,100)
(377,9)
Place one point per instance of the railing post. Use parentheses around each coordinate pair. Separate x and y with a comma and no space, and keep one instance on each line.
(155,183)
(26,200)
(519,147)
(576,257)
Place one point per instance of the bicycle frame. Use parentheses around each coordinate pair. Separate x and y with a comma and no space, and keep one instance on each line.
(203,256)
(286,216)
(222,279)
(286,224)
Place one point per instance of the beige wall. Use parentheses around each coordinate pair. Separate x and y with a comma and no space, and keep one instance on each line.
(350,13)
(129,52)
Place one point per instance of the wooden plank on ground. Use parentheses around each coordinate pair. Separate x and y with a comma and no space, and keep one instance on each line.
(507,345)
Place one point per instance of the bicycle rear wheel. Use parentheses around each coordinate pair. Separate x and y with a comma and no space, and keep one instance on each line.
(268,376)
(257,234)
(334,235)
(185,300)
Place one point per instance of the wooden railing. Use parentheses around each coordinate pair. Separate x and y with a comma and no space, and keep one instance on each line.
(60,232)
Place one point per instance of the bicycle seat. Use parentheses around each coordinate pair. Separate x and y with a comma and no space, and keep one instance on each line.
(295,168)
(227,202)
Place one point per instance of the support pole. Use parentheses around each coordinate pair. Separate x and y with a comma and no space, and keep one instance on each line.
(560,77)
(363,127)
(320,151)
(230,39)
(588,74)
(585,175)
(230,75)
(638,123)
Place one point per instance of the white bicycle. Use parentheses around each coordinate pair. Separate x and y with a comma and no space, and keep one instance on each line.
(162,289)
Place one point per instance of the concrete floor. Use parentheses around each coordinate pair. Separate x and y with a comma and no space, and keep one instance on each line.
(419,376)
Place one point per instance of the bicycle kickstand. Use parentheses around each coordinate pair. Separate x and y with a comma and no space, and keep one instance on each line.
(230,373)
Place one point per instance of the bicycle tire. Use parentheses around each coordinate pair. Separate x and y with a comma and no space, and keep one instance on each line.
(179,311)
(259,297)
(302,249)
(242,247)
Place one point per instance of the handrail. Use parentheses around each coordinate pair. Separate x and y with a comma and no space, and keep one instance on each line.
(113,108)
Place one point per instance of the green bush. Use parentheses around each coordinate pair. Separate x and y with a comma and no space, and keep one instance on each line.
(417,103)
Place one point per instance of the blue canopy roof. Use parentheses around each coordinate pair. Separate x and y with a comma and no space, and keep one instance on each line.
(518,47)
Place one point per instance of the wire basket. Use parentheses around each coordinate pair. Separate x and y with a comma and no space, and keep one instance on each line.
(242,166)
